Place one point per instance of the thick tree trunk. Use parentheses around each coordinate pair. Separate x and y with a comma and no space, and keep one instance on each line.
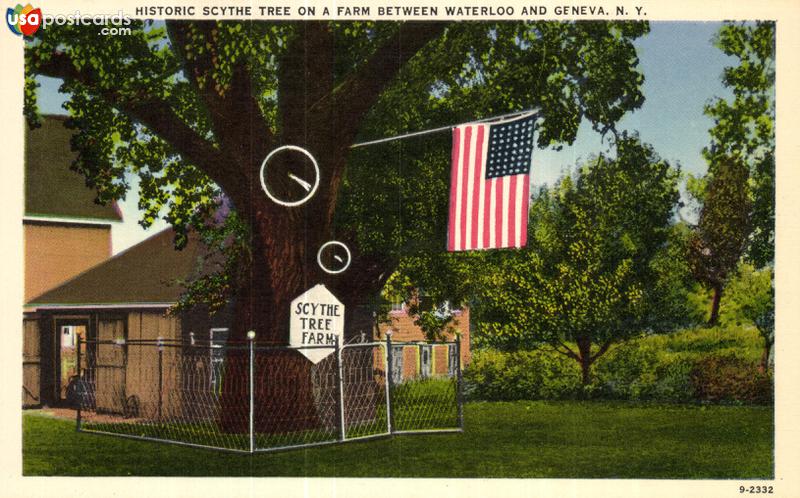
(714,318)
(283,266)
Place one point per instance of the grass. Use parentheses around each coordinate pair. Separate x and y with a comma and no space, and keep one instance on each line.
(502,439)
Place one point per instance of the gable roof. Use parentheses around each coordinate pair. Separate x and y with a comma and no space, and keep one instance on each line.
(147,274)
(52,189)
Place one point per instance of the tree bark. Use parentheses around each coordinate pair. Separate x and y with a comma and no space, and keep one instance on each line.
(585,354)
(714,317)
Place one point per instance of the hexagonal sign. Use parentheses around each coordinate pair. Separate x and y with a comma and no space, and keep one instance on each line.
(316,318)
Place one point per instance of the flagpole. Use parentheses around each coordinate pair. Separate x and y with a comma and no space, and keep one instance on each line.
(499,118)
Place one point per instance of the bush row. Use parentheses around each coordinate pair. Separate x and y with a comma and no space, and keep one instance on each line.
(700,365)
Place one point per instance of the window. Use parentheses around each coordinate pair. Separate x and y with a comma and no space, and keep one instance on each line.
(452,359)
(398,306)
(397,364)
(425,361)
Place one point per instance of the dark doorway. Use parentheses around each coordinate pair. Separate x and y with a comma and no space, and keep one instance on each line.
(68,332)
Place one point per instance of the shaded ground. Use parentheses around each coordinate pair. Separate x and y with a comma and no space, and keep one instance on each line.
(514,439)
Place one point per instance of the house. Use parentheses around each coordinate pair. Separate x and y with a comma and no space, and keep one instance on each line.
(65,233)
(125,297)
(424,360)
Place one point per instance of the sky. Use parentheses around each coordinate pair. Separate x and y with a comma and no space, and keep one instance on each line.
(682,72)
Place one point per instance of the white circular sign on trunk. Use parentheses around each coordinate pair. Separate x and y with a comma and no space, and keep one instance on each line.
(307,185)
(316,318)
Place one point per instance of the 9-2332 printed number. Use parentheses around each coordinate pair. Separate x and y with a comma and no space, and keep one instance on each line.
(756,490)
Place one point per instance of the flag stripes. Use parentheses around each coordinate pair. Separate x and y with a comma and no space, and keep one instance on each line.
(483,213)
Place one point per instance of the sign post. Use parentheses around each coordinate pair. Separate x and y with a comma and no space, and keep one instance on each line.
(316,318)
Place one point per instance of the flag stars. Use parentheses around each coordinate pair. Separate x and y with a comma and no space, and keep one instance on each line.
(510,146)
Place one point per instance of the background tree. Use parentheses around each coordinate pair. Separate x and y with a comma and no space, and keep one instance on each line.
(751,300)
(722,232)
(744,127)
(591,275)
(738,194)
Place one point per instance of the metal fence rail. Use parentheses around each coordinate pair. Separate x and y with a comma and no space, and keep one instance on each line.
(250,398)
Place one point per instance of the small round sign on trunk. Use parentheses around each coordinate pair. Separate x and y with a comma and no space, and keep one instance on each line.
(333,257)
(289,175)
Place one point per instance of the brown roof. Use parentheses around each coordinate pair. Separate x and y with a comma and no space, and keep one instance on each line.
(52,189)
(148,273)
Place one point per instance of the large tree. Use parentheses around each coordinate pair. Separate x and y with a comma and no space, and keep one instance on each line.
(597,271)
(193,108)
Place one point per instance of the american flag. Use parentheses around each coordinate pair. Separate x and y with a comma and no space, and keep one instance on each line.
(489,184)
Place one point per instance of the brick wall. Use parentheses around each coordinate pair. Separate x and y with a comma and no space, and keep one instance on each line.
(404,330)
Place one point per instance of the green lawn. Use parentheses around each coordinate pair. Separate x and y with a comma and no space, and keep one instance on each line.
(515,439)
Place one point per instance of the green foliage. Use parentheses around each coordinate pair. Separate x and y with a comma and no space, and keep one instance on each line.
(153,104)
(675,289)
(537,374)
(226,256)
(750,299)
(673,367)
(730,379)
(744,128)
(643,372)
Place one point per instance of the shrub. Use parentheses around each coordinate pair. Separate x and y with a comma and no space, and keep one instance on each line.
(641,371)
(539,374)
(710,365)
(730,379)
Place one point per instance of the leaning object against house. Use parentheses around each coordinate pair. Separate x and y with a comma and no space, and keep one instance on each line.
(65,233)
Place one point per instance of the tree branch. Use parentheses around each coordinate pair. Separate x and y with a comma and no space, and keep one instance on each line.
(154,113)
(600,351)
(234,111)
(355,96)
(568,352)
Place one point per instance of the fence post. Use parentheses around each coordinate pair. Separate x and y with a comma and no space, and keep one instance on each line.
(79,388)
(340,387)
(459,386)
(389,382)
(251,335)
(160,343)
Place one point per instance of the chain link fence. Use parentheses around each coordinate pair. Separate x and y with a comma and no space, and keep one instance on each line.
(251,398)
